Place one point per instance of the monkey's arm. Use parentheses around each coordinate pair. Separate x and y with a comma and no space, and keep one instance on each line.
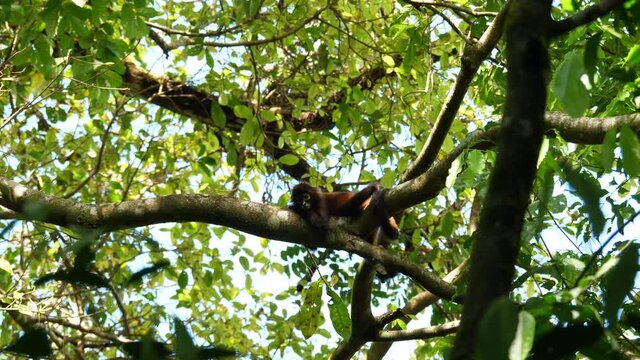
(387,222)
(319,218)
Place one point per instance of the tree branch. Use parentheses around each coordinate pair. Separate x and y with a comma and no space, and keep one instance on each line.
(452,6)
(584,17)
(587,130)
(361,314)
(363,324)
(421,333)
(584,130)
(6,214)
(494,252)
(186,100)
(253,218)
(414,306)
(472,57)
(278,37)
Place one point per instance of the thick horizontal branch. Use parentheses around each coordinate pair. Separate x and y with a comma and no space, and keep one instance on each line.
(258,219)
(181,98)
(253,218)
(275,223)
(584,130)
(418,334)
(587,130)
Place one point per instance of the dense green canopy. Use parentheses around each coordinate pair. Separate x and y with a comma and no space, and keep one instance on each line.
(147,150)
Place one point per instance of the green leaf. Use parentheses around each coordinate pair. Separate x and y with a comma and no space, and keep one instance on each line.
(185,349)
(525,334)
(497,330)
(409,57)
(447,224)
(289,159)
(588,189)
(6,266)
(244,262)
(388,178)
(51,16)
(633,57)
(339,314)
(619,282)
(268,116)
(232,154)
(217,114)
(183,279)
(309,318)
(568,87)
(134,26)
(453,173)
(475,161)
(251,7)
(223,99)
(544,195)
(608,147)
(591,55)
(568,5)
(243,111)
(630,151)
(246,134)
(388,60)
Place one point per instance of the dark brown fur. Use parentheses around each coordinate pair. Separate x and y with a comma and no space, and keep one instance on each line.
(317,206)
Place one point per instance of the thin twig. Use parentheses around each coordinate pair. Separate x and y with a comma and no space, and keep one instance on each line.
(601,248)
(453,26)
(37,98)
(286,34)
(98,164)
(452,7)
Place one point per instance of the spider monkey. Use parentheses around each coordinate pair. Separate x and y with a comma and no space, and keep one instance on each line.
(317,206)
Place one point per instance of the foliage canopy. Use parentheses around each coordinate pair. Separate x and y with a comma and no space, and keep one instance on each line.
(148,148)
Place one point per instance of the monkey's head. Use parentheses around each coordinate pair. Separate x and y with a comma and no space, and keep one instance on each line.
(303,198)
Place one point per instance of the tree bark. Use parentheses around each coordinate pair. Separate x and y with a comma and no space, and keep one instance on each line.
(498,238)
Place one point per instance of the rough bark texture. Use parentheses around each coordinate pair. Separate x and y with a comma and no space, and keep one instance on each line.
(498,238)
(250,217)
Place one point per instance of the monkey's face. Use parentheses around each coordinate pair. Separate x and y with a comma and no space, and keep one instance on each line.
(302,198)
(300,201)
